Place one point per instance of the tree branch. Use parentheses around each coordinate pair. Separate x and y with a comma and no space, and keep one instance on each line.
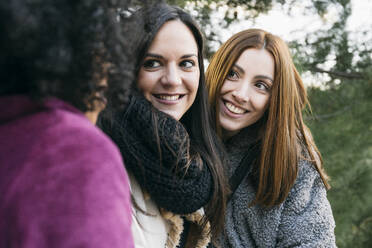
(329,115)
(339,73)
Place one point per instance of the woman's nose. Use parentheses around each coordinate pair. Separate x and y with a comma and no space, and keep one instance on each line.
(171,76)
(241,94)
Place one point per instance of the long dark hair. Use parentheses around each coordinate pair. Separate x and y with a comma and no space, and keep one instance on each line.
(64,49)
(197,120)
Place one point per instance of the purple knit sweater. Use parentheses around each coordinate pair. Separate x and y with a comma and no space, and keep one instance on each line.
(62,181)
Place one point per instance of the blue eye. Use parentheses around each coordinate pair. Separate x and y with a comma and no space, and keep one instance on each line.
(151,63)
(232,75)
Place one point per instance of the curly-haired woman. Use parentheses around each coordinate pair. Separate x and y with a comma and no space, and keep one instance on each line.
(62,182)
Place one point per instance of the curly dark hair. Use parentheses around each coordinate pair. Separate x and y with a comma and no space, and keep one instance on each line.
(64,49)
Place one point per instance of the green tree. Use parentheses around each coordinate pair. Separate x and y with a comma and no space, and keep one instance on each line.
(342,127)
(342,123)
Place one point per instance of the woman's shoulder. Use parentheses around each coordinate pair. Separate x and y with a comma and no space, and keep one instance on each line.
(75,127)
(307,172)
(307,190)
(307,215)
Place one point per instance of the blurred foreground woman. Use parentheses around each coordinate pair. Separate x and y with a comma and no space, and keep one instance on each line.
(62,181)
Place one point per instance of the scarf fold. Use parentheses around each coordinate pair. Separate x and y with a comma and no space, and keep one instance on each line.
(163,165)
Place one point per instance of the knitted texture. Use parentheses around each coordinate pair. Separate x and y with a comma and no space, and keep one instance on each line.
(304,219)
(164,166)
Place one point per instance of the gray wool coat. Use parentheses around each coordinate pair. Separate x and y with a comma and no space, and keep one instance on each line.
(304,219)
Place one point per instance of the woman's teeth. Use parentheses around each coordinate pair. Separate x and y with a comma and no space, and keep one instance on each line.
(169,98)
(234,109)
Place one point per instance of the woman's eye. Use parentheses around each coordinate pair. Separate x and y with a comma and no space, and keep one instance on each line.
(187,64)
(151,64)
(232,75)
(262,86)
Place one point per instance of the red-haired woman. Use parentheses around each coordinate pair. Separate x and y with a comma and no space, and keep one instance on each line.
(278,184)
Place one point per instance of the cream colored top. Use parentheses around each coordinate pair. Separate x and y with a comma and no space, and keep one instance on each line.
(149,231)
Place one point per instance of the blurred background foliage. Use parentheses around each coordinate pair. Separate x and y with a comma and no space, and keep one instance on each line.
(341,118)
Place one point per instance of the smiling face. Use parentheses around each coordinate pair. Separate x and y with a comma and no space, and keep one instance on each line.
(169,75)
(245,93)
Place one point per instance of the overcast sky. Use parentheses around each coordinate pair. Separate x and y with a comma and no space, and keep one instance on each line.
(302,21)
(293,27)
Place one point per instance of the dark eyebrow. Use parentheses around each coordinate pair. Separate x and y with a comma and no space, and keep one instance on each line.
(264,77)
(189,55)
(153,55)
(241,70)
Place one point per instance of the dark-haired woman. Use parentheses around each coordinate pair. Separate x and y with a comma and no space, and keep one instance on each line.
(62,181)
(277,181)
(165,135)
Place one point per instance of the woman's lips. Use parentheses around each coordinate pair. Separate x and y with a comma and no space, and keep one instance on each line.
(232,110)
(168,98)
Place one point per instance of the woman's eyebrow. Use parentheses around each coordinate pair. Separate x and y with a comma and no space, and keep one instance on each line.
(154,55)
(240,69)
(189,55)
(264,77)
(158,56)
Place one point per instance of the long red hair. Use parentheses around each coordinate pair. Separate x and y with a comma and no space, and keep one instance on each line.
(284,136)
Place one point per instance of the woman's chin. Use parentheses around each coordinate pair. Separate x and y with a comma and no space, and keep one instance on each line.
(229,127)
(173,114)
